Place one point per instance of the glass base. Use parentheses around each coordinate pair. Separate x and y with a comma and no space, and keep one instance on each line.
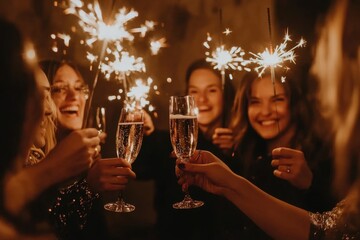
(119,207)
(188,204)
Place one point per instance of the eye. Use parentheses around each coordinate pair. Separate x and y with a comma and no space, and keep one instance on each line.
(193,91)
(213,90)
(58,89)
(279,99)
(253,101)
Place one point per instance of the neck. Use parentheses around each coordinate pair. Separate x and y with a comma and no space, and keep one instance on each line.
(62,133)
(283,139)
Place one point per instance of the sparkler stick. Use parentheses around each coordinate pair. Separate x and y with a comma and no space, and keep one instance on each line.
(89,102)
(272,69)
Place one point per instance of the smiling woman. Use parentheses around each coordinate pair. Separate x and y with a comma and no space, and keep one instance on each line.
(69,92)
(267,115)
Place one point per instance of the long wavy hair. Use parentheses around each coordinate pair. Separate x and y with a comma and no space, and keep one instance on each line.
(248,142)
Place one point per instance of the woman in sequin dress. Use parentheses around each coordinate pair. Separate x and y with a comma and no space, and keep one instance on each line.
(337,66)
(77,211)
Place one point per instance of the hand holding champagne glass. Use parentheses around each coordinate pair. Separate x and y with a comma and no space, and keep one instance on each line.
(183,135)
(128,143)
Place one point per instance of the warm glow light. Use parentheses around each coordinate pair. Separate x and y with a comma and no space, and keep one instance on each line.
(277,57)
(223,58)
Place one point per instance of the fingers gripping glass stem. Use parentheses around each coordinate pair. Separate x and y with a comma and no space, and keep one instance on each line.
(128,142)
(183,135)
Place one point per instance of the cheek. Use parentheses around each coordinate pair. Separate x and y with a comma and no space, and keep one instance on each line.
(251,114)
(57,101)
(219,105)
(283,110)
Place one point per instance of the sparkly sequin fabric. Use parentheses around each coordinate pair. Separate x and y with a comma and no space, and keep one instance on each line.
(329,226)
(70,211)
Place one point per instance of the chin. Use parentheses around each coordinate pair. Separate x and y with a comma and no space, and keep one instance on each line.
(268,136)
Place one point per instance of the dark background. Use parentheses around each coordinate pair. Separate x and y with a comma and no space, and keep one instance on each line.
(184,23)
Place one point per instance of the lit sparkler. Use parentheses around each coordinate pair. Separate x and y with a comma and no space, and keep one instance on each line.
(137,96)
(123,63)
(115,35)
(277,57)
(223,58)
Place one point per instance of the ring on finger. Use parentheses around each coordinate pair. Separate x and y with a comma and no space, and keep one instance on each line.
(288,169)
(96,149)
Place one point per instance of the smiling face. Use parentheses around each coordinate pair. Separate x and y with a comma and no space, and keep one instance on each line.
(206,88)
(269,115)
(69,95)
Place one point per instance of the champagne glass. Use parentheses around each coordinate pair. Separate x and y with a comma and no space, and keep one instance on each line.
(183,134)
(129,137)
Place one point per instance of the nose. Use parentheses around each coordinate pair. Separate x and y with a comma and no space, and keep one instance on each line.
(266,108)
(72,93)
(202,97)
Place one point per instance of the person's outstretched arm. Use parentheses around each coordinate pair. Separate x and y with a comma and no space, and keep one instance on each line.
(277,218)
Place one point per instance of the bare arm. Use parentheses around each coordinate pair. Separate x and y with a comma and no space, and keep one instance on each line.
(277,218)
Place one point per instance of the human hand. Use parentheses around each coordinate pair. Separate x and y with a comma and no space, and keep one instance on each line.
(206,171)
(292,167)
(148,124)
(75,153)
(109,174)
(224,139)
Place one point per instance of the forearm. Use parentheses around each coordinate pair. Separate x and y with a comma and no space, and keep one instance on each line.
(277,218)
(25,185)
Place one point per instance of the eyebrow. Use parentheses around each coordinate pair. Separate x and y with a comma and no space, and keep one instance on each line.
(64,81)
(277,95)
(211,85)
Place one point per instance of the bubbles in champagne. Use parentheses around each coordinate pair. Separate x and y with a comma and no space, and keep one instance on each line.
(128,140)
(183,134)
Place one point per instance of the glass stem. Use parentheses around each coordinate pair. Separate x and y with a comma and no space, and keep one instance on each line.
(120,198)
(187,196)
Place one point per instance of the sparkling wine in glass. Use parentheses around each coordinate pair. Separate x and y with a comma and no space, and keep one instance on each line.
(184,134)
(129,137)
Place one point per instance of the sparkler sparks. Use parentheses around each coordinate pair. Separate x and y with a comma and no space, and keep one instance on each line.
(92,23)
(113,35)
(156,45)
(123,63)
(277,58)
(137,96)
(222,58)
(116,38)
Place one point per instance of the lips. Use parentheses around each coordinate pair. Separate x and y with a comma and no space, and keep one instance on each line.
(268,122)
(73,109)
(204,109)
